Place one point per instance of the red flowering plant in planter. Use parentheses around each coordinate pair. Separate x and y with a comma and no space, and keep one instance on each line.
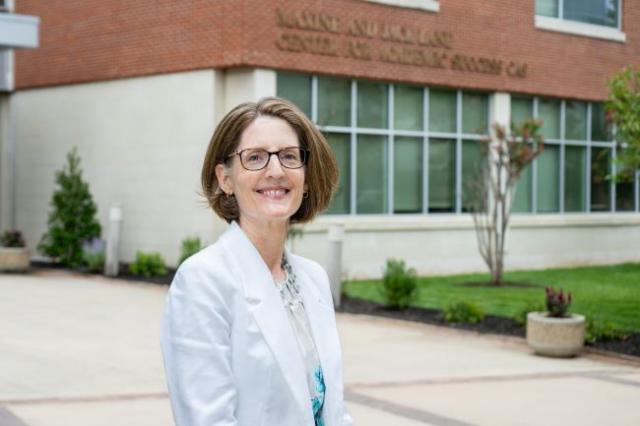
(557,303)
(556,332)
(14,255)
(12,238)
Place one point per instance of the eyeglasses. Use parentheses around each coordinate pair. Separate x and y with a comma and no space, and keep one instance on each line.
(255,159)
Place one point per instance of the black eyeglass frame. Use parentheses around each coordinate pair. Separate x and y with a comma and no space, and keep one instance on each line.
(303,152)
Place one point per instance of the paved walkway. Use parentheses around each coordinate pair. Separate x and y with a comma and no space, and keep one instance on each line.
(84,351)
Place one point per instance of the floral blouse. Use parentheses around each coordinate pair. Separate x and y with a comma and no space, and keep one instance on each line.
(290,294)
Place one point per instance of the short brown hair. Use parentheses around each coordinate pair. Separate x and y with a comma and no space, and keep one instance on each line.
(321,173)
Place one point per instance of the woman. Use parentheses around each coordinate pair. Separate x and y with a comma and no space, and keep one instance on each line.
(249,335)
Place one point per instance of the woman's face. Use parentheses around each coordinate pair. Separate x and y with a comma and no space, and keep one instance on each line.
(272,194)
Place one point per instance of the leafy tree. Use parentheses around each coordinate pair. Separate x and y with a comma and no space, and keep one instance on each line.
(72,220)
(493,190)
(623,108)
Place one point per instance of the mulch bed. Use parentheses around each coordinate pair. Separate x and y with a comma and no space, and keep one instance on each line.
(490,325)
(123,272)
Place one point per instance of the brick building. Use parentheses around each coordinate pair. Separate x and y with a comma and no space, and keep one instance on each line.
(403,89)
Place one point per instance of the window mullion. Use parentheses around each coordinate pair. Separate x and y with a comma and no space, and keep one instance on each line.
(612,184)
(587,176)
(563,113)
(354,147)
(314,99)
(560,9)
(390,145)
(458,152)
(534,168)
(425,151)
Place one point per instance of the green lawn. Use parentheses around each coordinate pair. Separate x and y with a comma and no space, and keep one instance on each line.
(608,293)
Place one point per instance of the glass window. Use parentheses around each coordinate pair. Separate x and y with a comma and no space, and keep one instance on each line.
(296,88)
(600,183)
(475,113)
(442,111)
(522,198)
(625,189)
(575,161)
(521,110)
(371,196)
(548,181)
(340,204)
(624,196)
(334,101)
(442,175)
(599,12)
(407,108)
(372,105)
(547,8)
(600,128)
(549,113)
(472,172)
(575,115)
(407,175)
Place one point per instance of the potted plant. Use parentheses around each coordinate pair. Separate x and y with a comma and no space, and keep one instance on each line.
(14,255)
(556,332)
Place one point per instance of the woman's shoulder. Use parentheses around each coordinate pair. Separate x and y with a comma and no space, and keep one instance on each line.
(206,270)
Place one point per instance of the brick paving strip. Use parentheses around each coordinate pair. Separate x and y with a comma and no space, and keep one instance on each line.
(351,395)
(403,411)
(592,374)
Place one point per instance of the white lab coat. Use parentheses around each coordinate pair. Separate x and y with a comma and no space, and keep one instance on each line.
(230,354)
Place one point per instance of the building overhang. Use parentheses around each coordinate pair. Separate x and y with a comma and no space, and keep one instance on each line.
(18,31)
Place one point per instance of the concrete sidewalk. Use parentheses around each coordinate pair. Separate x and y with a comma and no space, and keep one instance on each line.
(78,350)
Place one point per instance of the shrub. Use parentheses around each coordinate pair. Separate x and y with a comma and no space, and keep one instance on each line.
(521,316)
(12,238)
(601,331)
(148,265)
(189,247)
(93,255)
(399,284)
(72,220)
(463,312)
(94,262)
(557,303)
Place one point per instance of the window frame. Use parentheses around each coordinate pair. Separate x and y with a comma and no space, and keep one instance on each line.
(588,144)
(391,133)
(428,5)
(567,26)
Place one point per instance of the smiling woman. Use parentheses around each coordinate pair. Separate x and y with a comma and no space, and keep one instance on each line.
(248,333)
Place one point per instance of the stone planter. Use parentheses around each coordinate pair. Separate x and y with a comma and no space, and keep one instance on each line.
(555,337)
(14,259)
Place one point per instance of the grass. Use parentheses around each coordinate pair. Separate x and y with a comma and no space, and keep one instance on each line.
(608,293)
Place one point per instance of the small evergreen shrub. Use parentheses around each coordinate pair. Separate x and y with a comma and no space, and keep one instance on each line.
(463,312)
(521,316)
(72,220)
(148,265)
(399,285)
(189,247)
(601,331)
(12,238)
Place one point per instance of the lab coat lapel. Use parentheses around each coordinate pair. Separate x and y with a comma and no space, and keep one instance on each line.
(268,310)
(322,320)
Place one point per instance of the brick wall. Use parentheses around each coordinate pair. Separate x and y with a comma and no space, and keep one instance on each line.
(88,41)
